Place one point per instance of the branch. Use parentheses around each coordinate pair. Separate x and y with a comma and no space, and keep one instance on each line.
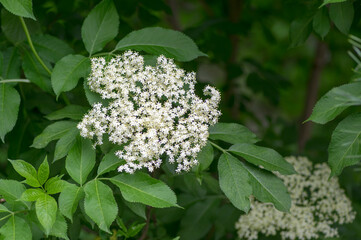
(146,228)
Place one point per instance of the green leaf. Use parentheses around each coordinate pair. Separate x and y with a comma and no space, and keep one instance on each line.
(321,23)
(32,194)
(140,187)
(50,48)
(43,171)
(345,149)
(80,160)
(16,228)
(135,229)
(22,8)
(268,188)
(137,208)
(342,14)
(69,199)
(27,171)
(55,186)
(46,209)
(300,30)
(100,204)
(52,132)
(336,101)
(266,157)
(232,133)
(93,97)
(9,108)
(74,112)
(11,64)
(109,163)
(36,73)
(65,143)
(325,2)
(3,208)
(11,191)
(205,158)
(160,41)
(100,26)
(60,227)
(234,181)
(68,71)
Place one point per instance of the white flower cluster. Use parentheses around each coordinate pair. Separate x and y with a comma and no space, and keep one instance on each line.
(153,111)
(318,204)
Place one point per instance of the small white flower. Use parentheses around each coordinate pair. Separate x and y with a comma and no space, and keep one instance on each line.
(153,111)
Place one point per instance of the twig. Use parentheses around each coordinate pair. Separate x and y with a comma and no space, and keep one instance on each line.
(146,228)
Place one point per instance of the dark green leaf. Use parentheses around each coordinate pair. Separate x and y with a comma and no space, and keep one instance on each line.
(9,107)
(93,97)
(74,112)
(137,208)
(100,204)
(140,187)
(205,158)
(11,64)
(232,133)
(27,171)
(80,160)
(69,199)
(22,8)
(342,14)
(43,171)
(300,30)
(65,143)
(331,1)
(100,26)
(160,41)
(46,209)
(68,71)
(234,181)
(50,48)
(321,24)
(109,163)
(16,228)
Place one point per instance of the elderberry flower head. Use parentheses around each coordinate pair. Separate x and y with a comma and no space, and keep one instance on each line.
(153,112)
(318,204)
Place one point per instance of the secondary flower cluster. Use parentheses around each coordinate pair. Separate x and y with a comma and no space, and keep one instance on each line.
(153,112)
(318,204)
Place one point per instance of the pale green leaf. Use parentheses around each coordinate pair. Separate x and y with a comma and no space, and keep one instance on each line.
(74,112)
(68,71)
(9,107)
(266,157)
(234,181)
(60,227)
(342,15)
(140,187)
(56,186)
(345,148)
(46,209)
(69,199)
(3,208)
(160,41)
(16,228)
(100,204)
(52,132)
(11,191)
(268,188)
(43,171)
(232,133)
(65,143)
(80,160)
(336,101)
(100,26)
(32,194)
(22,8)
(50,48)
(27,171)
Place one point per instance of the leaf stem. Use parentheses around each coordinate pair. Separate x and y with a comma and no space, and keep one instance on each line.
(6,216)
(14,80)
(218,147)
(32,46)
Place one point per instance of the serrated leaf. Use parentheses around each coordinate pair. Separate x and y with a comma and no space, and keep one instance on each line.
(80,160)
(32,194)
(300,30)
(321,23)
(9,107)
(268,188)
(52,132)
(27,171)
(100,26)
(69,199)
(46,209)
(336,101)
(109,163)
(234,181)
(22,8)
(140,187)
(266,157)
(205,158)
(74,112)
(11,64)
(56,186)
(50,48)
(16,228)
(60,227)
(232,133)
(65,143)
(342,15)
(43,171)
(161,41)
(36,73)
(68,71)
(100,204)
(11,191)
(345,149)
